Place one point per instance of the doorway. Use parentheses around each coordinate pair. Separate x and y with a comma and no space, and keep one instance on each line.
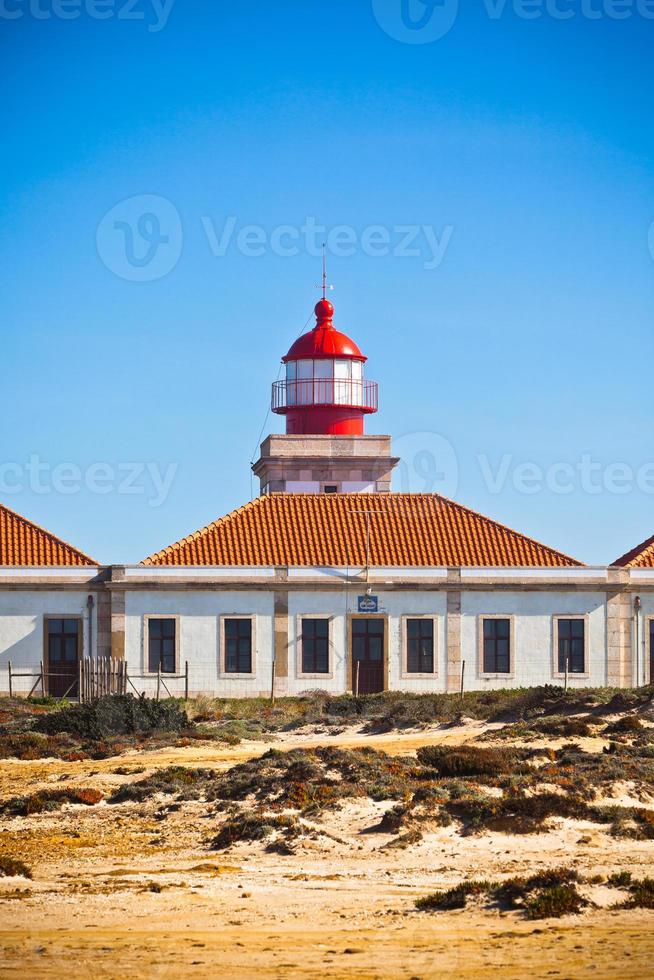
(368,661)
(63,641)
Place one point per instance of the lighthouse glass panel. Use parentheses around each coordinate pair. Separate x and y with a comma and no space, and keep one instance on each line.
(342,386)
(291,376)
(304,385)
(323,387)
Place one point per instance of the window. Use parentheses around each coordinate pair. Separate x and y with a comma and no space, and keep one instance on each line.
(315,646)
(572,645)
(330,488)
(497,646)
(161,645)
(238,646)
(420,646)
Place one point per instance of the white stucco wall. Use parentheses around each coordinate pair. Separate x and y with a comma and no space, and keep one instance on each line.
(199,639)
(533,653)
(392,606)
(198,613)
(21,630)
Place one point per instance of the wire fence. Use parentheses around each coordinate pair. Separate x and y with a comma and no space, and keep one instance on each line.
(96,678)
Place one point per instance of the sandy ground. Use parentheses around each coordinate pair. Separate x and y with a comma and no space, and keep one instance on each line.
(118,890)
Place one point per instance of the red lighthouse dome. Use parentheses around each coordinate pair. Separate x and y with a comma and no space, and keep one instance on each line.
(324,392)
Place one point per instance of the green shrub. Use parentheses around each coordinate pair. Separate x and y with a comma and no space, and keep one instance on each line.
(185,783)
(641,894)
(453,898)
(554,902)
(620,879)
(115,715)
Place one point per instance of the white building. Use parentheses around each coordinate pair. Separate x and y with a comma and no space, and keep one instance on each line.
(328,580)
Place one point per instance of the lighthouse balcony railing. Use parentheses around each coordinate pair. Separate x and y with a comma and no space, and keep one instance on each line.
(317,391)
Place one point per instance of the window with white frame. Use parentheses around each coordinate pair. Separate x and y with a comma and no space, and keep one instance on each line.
(496,646)
(237,638)
(420,643)
(162,645)
(315,645)
(571,645)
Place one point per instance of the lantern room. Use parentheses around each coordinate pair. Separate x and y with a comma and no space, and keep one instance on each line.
(324,392)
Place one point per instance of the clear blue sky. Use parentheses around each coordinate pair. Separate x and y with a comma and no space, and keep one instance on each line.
(530,343)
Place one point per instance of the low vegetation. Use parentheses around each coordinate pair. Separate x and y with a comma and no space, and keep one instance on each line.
(11,868)
(98,730)
(546,895)
(49,799)
(515,790)
(549,894)
(38,728)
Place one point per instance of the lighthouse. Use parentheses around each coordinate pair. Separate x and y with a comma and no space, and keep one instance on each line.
(324,392)
(324,399)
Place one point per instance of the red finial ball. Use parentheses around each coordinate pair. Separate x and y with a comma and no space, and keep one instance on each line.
(324,310)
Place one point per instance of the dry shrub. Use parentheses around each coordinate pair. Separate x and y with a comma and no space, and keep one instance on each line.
(255,826)
(11,868)
(516,814)
(625,725)
(49,799)
(467,760)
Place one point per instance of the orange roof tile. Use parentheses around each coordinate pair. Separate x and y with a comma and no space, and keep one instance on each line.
(642,556)
(25,544)
(329,530)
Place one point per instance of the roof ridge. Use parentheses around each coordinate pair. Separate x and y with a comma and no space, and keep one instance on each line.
(49,534)
(515,544)
(453,503)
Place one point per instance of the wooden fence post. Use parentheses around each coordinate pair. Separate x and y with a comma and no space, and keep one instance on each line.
(11,686)
(463,674)
(158,679)
(272,681)
(42,678)
(186,681)
(356,688)
(80,678)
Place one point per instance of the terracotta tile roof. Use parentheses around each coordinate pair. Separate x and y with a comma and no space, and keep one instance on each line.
(329,530)
(24,544)
(642,556)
